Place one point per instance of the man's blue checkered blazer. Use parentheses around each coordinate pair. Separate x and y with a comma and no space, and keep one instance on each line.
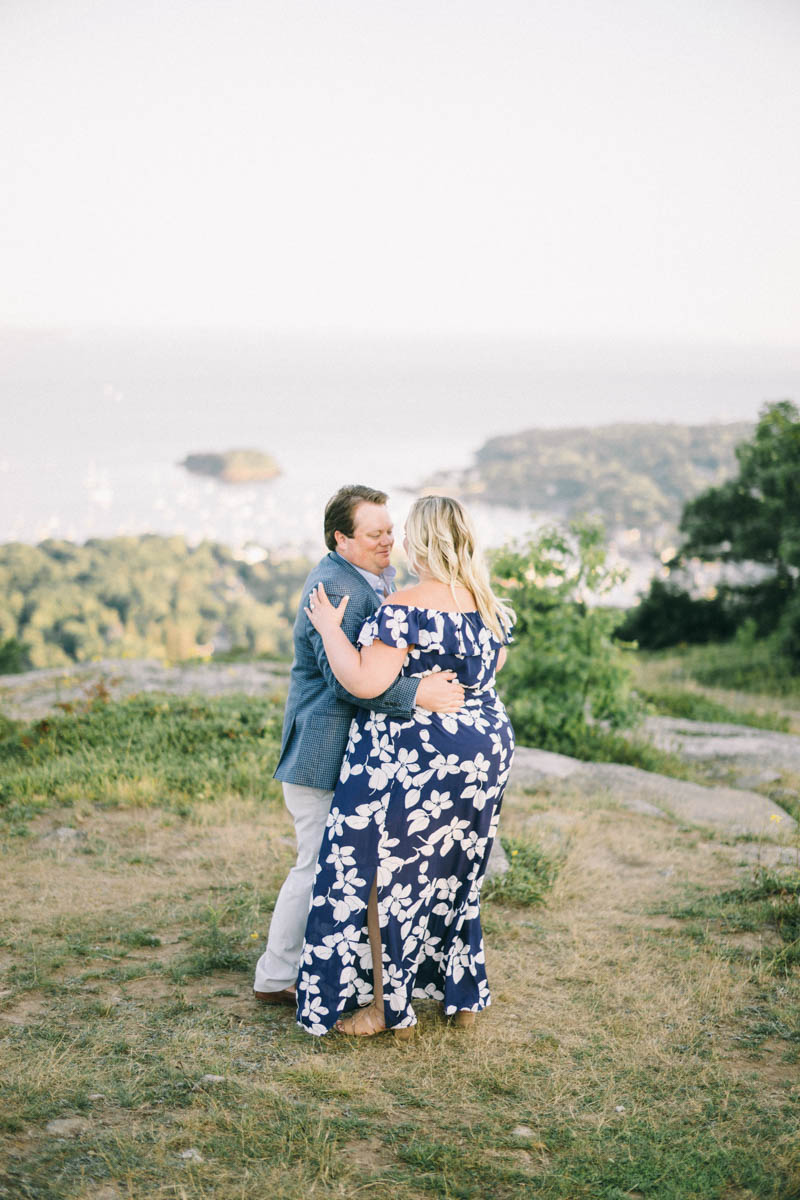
(318,709)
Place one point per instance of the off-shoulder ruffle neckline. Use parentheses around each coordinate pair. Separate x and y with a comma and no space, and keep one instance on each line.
(444,612)
(427,629)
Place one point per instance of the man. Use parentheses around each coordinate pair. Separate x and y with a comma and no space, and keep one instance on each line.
(358,533)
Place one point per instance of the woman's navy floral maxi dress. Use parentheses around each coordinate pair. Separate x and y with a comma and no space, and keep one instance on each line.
(418,802)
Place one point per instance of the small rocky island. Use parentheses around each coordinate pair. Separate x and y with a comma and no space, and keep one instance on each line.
(233,466)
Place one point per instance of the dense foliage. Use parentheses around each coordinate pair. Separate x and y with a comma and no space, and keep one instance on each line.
(669,615)
(139,597)
(753,518)
(627,475)
(565,673)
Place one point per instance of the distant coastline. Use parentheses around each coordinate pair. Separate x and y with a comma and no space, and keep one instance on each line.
(634,477)
(106,416)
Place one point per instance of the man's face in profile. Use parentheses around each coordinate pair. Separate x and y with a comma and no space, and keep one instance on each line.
(370,547)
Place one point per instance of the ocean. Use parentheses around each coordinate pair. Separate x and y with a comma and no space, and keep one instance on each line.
(94,423)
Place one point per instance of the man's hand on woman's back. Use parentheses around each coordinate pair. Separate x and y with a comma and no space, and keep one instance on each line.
(440,692)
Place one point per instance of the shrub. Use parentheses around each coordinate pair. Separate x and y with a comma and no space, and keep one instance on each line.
(566,673)
(14,656)
(668,615)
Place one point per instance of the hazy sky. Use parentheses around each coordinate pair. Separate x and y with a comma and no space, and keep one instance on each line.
(601,168)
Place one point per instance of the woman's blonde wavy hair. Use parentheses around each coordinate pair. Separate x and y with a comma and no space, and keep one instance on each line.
(442,541)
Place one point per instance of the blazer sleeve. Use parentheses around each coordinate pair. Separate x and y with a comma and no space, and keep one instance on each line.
(399,698)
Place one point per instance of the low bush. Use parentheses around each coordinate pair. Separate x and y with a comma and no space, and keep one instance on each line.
(565,672)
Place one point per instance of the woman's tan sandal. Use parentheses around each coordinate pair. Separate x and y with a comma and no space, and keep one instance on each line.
(367,1021)
(364,1022)
(464,1019)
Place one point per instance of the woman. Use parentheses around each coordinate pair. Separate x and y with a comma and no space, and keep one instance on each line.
(396,903)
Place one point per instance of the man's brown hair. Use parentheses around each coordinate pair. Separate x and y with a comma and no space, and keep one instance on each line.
(340,509)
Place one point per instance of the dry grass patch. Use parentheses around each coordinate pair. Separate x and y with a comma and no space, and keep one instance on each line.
(609,1064)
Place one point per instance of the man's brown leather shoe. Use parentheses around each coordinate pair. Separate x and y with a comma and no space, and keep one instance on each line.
(287,996)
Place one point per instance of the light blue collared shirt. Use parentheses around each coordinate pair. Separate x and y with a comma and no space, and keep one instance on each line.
(383,584)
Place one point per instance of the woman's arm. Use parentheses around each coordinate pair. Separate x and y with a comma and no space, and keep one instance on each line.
(501,659)
(365,673)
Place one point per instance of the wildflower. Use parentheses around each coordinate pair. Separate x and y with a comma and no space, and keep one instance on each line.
(776,817)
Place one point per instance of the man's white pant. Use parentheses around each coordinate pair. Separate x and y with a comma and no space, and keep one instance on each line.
(277,968)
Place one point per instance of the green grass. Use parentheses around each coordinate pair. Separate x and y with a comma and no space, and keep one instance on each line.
(530,876)
(222,939)
(694,706)
(600,745)
(287,1118)
(173,752)
(140,937)
(769,902)
(754,666)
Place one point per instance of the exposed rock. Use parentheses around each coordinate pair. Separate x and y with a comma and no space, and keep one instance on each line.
(768,854)
(192,1155)
(33,694)
(65,835)
(498,861)
(756,779)
(532,767)
(736,743)
(67,1126)
(736,811)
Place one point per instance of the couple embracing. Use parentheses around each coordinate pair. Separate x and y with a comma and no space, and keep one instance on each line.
(395,753)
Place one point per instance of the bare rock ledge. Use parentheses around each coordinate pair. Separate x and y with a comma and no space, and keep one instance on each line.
(735,811)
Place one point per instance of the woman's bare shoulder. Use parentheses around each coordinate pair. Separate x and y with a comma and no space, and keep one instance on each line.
(431,595)
(410,595)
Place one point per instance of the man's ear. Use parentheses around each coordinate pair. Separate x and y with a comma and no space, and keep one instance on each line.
(339,538)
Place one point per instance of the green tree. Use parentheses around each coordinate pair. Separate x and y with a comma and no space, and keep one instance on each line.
(756,516)
(752,518)
(565,673)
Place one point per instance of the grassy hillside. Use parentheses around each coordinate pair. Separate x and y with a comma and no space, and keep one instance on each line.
(171,751)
